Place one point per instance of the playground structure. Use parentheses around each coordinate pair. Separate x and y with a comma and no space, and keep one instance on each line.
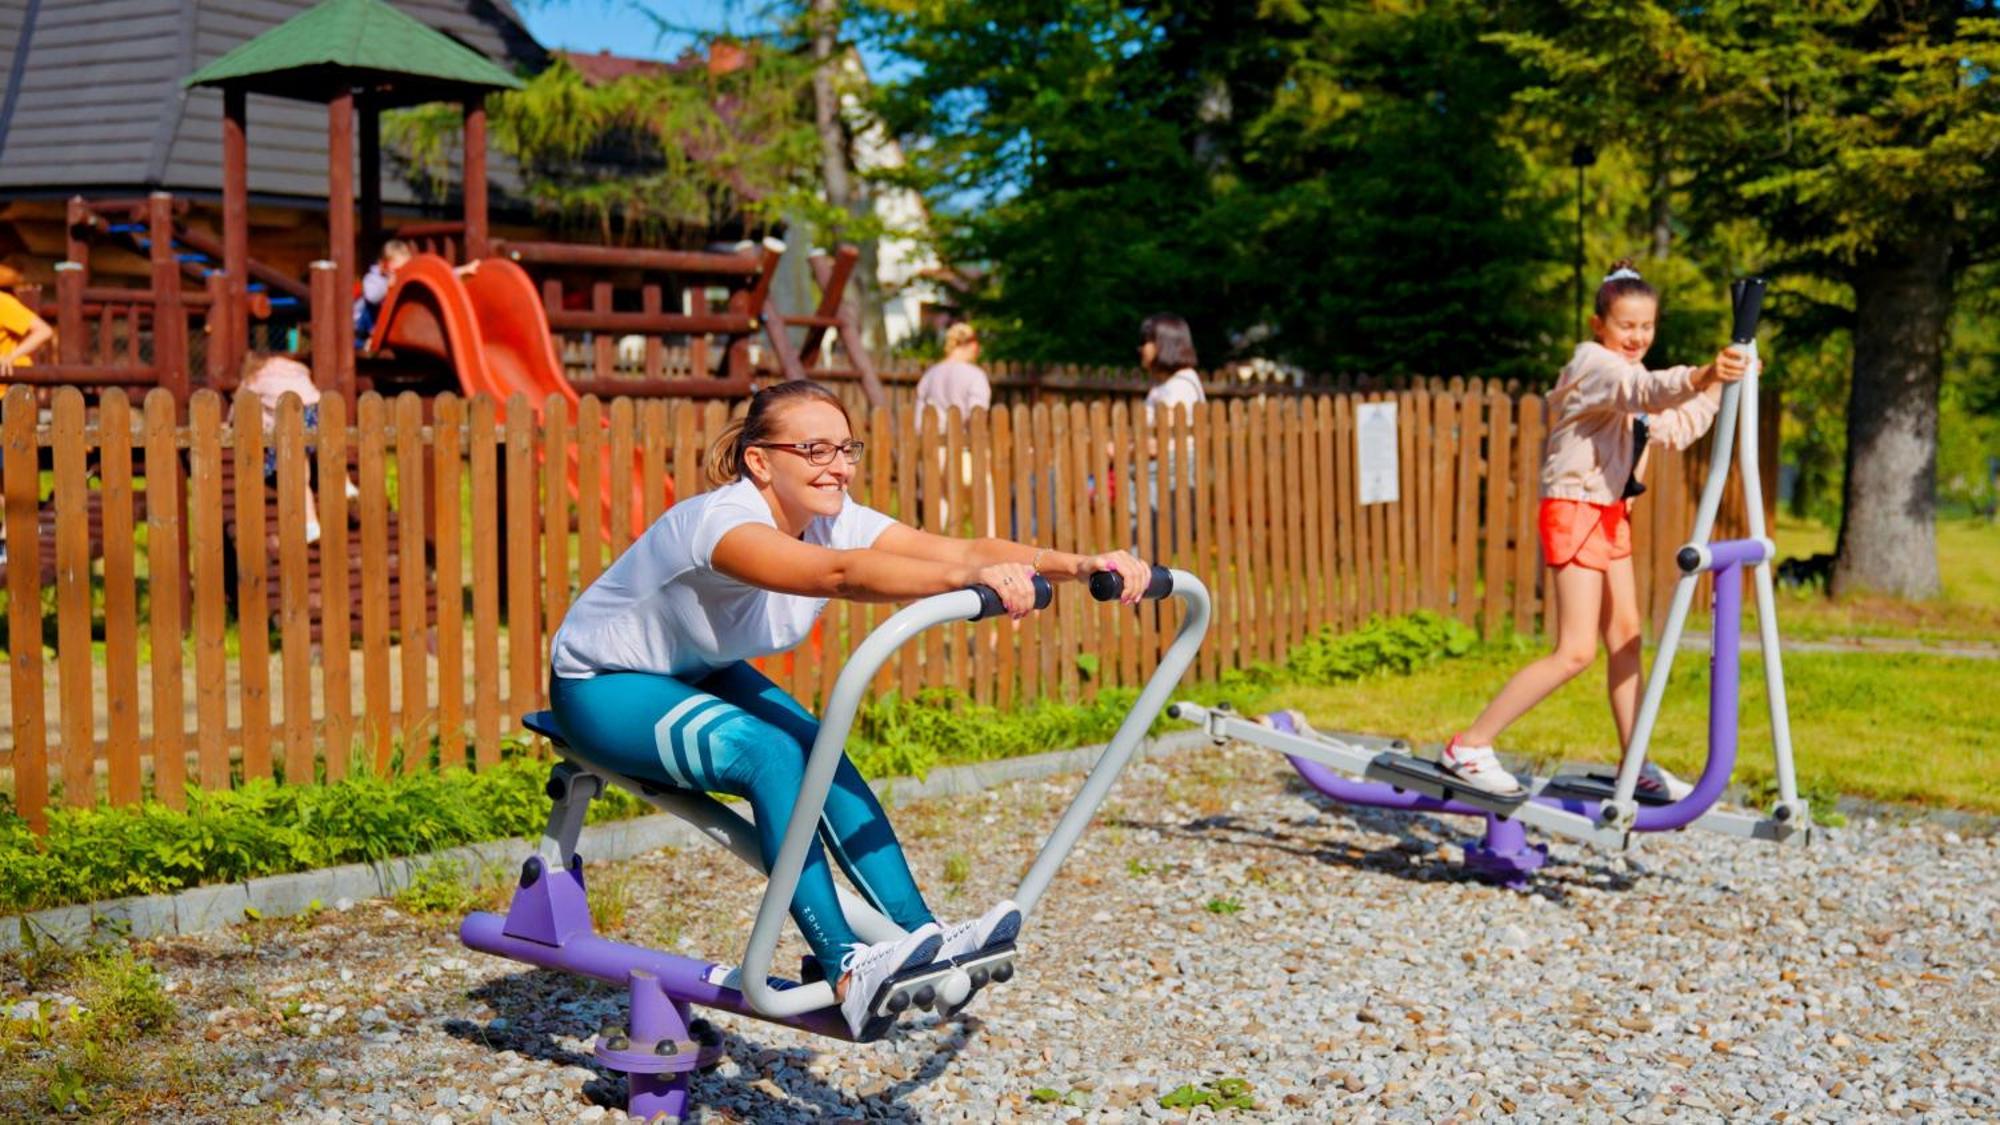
(209,294)
(1593,806)
(548,923)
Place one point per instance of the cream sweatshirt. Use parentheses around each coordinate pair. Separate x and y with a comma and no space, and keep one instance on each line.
(1590,438)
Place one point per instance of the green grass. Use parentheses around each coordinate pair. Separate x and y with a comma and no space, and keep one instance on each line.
(1968,610)
(1907,728)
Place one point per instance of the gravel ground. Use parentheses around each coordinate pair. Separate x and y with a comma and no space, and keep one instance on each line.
(1218,922)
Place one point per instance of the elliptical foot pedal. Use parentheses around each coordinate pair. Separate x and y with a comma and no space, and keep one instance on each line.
(991,965)
(1421,775)
(1594,786)
(912,988)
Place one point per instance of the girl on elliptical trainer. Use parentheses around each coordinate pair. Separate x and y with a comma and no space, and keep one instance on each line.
(649,671)
(1587,480)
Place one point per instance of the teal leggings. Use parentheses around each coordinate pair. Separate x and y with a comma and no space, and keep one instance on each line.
(734,731)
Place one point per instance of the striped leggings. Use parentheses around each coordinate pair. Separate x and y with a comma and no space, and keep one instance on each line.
(734,731)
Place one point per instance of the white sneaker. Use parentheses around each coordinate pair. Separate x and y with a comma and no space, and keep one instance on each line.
(997,926)
(1656,779)
(1477,767)
(867,967)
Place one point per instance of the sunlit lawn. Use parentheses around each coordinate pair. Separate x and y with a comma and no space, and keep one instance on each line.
(1968,610)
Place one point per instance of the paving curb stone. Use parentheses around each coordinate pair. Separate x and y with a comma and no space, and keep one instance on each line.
(213,906)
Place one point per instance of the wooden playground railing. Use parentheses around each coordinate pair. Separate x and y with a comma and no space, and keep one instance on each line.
(211,643)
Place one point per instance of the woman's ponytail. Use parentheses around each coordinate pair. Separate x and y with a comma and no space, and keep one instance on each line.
(724,463)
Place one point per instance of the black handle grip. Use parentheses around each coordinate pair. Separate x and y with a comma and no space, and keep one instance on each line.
(1746,296)
(990,604)
(1107,585)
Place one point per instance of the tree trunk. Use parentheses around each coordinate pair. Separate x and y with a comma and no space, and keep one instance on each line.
(1888,527)
(826,103)
(1662,202)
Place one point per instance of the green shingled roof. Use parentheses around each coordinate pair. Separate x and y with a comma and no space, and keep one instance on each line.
(361,43)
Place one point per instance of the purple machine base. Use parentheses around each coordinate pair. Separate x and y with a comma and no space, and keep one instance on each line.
(1505,856)
(548,925)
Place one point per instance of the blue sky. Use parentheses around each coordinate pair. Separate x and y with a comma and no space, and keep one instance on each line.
(624,27)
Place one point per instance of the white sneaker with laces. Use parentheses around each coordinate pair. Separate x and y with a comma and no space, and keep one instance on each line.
(1478,767)
(866,968)
(997,926)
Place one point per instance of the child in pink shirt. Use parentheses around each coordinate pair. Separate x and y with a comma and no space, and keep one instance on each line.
(1586,535)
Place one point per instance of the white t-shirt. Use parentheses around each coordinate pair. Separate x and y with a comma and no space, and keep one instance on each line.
(1182,388)
(664,608)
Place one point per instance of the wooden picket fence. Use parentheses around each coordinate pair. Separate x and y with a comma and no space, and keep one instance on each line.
(199,639)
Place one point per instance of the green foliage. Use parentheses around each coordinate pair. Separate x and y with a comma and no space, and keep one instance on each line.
(668,157)
(1221,1094)
(263,828)
(1393,644)
(895,737)
(1223,906)
(1319,181)
(438,889)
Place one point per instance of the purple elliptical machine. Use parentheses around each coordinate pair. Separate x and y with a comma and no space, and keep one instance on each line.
(548,923)
(1596,806)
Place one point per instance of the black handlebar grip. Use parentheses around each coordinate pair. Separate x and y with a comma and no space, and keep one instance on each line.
(990,604)
(1746,296)
(1107,585)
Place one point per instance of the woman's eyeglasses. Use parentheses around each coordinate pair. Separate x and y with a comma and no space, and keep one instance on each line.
(819,452)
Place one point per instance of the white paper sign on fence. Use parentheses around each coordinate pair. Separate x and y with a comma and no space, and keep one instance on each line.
(1378,473)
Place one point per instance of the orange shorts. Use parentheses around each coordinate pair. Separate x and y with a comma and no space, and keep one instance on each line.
(1592,536)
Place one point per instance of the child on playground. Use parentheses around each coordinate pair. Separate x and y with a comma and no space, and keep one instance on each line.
(1587,477)
(650,672)
(271,378)
(396,254)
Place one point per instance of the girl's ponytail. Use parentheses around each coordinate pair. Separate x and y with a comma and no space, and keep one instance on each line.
(1622,280)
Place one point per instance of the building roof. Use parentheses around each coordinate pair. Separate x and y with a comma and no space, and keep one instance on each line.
(340,44)
(94,102)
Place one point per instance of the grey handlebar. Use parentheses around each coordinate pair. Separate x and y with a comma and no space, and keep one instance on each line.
(842,703)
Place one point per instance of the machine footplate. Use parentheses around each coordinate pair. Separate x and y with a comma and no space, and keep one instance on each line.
(1593,786)
(931,987)
(1420,775)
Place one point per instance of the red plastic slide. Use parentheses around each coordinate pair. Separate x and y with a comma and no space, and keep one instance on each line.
(489,326)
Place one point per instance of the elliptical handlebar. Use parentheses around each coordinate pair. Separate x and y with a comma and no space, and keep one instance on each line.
(973,603)
(990,604)
(1109,585)
(1746,299)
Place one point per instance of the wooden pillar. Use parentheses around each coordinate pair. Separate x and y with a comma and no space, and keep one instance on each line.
(475,179)
(371,178)
(78,221)
(219,373)
(234,339)
(170,346)
(71,332)
(340,217)
(332,321)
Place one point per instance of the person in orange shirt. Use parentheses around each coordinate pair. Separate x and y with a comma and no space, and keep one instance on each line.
(22,331)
